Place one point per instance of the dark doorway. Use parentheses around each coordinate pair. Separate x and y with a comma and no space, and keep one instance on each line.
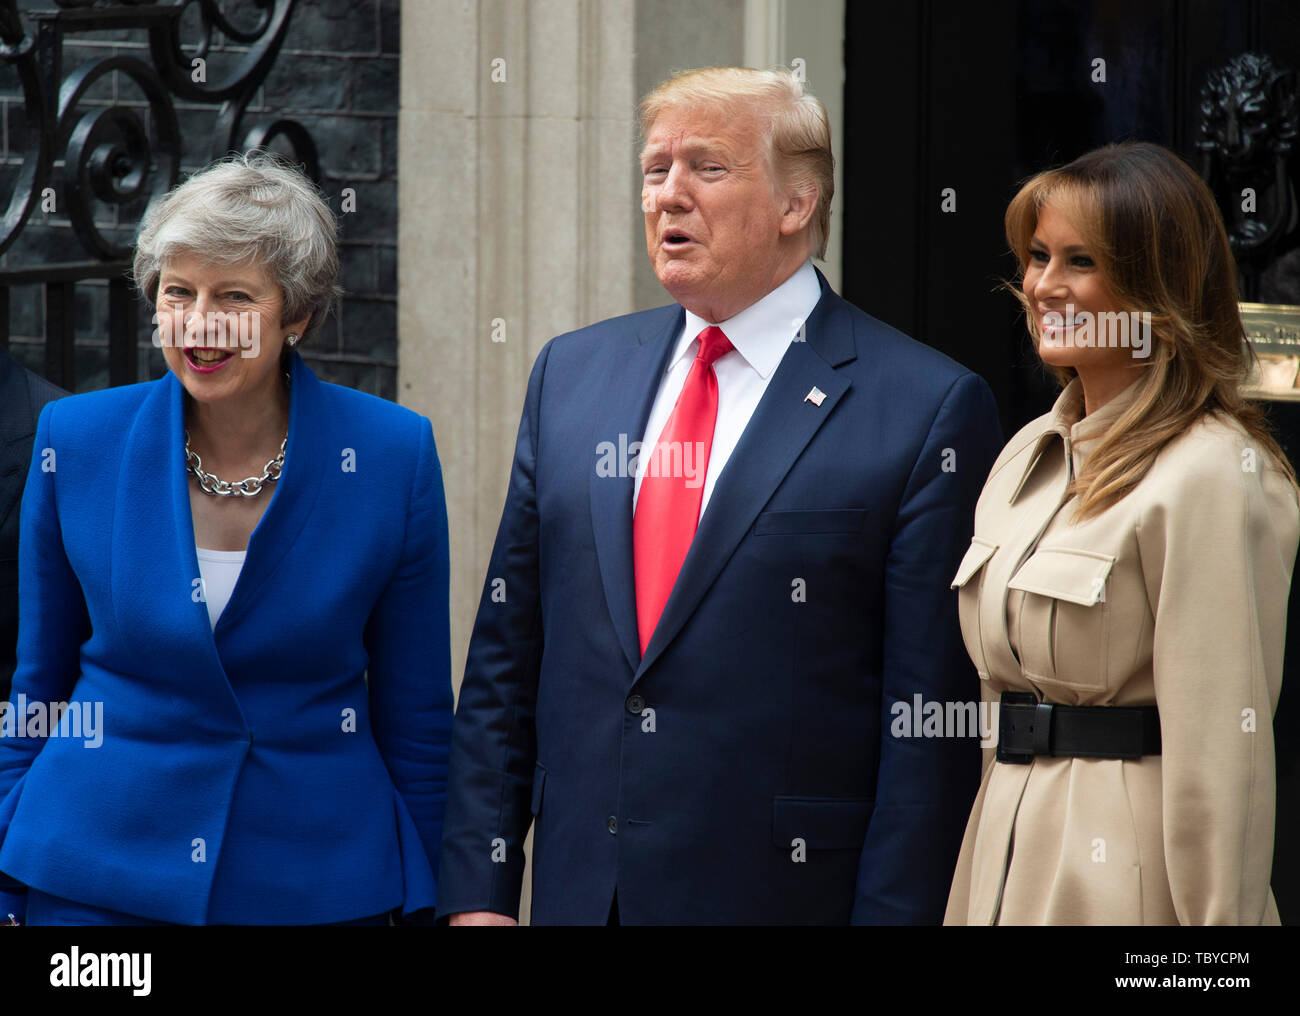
(959,101)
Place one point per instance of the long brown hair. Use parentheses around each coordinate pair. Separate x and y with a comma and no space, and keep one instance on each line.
(1152,227)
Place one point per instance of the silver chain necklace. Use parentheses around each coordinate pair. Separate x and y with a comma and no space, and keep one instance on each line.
(250,486)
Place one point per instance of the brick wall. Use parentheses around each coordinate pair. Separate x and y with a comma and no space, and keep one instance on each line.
(337,74)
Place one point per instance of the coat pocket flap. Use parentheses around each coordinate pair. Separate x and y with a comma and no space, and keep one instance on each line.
(977,554)
(823,823)
(539,785)
(1078,576)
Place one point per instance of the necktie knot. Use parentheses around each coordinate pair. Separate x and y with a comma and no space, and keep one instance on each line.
(713,344)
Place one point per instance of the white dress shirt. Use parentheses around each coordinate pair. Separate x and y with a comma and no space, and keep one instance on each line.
(761,333)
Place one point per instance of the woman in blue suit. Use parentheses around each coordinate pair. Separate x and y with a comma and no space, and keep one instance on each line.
(232,701)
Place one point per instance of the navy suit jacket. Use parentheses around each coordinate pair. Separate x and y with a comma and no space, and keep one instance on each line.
(743,770)
(288,767)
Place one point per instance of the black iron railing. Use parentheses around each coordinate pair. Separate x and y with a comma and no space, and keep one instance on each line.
(82,157)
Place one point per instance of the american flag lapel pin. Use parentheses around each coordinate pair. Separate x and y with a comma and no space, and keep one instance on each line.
(816,396)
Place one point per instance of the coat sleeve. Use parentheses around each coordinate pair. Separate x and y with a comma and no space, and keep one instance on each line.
(1217,549)
(52,625)
(408,640)
(925,785)
(494,743)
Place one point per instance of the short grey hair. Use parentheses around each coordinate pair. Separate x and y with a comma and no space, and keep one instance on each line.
(252,206)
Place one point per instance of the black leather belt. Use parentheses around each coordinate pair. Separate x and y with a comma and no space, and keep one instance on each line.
(1027,727)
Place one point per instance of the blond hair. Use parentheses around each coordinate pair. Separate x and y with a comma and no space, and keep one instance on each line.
(798,131)
(1154,231)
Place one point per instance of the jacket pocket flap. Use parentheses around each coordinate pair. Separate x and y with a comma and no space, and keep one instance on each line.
(539,785)
(1078,576)
(977,553)
(817,520)
(823,823)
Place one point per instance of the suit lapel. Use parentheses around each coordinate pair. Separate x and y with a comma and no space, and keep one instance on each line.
(621,419)
(781,427)
(154,566)
(292,496)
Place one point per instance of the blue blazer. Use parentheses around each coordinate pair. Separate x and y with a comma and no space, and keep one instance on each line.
(743,769)
(288,768)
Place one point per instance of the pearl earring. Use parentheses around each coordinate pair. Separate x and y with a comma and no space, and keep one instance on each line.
(291,340)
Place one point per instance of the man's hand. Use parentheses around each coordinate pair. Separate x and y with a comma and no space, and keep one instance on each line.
(479,917)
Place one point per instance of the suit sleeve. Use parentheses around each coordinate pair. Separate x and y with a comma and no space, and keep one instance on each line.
(1217,560)
(494,743)
(409,643)
(52,625)
(925,785)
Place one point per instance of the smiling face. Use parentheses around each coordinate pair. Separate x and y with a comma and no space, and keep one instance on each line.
(719,234)
(221,328)
(1066,289)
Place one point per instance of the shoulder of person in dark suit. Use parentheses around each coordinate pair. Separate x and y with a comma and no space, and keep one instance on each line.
(23,395)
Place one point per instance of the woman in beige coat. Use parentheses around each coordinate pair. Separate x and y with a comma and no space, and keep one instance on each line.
(1125,592)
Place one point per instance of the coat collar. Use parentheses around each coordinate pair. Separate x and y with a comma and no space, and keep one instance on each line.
(1077,434)
(761,332)
(781,427)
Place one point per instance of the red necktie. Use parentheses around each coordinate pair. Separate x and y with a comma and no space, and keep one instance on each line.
(672,485)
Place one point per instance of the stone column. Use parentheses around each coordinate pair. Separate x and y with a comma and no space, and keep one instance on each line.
(807,37)
(516,217)
(516,212)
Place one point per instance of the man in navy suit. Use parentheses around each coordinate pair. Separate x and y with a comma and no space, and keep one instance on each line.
(689,664)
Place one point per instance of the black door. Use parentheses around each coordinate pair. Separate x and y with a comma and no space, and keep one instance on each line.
(949,106)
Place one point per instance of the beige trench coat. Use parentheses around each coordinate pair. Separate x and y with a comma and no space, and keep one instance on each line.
(1176,596)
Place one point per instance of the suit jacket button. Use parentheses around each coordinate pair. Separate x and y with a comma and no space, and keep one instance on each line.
(635,703)
(611,824)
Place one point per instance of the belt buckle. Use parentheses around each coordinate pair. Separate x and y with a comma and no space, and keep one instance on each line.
(1005,753)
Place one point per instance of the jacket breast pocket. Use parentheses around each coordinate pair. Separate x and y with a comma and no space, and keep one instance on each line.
(969,581)
(1064,622)
(822,823)
(816,520)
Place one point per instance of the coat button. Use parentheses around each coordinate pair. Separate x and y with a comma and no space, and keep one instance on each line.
(611,824)
(635,703)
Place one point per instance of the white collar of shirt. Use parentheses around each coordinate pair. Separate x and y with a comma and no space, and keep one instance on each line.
(762,332)
(761,335)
